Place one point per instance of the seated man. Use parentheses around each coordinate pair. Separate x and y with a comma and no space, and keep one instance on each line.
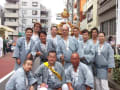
(50,74)
(78,75)
(22,79)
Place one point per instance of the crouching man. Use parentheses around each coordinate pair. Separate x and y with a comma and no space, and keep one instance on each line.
(50,74)
(22,79)
(78,75)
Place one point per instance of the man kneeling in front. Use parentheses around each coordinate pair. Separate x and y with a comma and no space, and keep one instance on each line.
(50,75)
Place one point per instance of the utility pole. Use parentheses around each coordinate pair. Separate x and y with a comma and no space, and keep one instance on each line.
(78,12)
(72,10)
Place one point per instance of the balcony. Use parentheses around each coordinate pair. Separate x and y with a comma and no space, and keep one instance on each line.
(15,15)
(8,23)
(11,6)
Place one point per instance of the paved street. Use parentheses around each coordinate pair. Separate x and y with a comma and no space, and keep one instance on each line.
(6,66)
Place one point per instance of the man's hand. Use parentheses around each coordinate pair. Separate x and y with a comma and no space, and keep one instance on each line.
(18,61)
(31,88)
(88,88)
(44,85)
(39,53)
(109,70)
(62,58)
(29,56)
(70,86)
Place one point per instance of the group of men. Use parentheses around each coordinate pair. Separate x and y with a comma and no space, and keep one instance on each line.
(66,62)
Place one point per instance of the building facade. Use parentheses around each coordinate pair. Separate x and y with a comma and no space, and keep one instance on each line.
(90,19)
(107,16)
(11,15)
(31,11)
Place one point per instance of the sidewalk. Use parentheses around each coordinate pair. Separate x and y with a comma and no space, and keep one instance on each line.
(113,84)
(6,64)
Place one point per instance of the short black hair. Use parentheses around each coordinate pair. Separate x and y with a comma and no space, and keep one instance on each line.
(42,32)
(52,51)
(85,31)
(28,29)
(27,60)
(95,28)
(54,27)
(102,33)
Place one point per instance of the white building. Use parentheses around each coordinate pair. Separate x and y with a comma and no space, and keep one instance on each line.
(31,11)
(11,15)
(45,18)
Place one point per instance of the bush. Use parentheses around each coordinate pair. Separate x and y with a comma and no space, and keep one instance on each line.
(116,70)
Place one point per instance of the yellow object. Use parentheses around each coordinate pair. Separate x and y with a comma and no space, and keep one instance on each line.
(54,72)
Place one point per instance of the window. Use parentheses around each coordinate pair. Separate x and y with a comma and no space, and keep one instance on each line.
(34,12)
(24,11)
(101,1)
(34,20)
(90,14)
(35,4)
(109,27)
(24,21)
(24,3)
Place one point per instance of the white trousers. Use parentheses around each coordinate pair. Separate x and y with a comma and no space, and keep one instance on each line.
(0,52)
(64,87)
(101,84)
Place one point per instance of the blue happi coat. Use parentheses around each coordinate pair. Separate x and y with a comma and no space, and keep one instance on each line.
(104,60)
(21,52)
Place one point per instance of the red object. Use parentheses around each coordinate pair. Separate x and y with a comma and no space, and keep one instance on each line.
(6,64)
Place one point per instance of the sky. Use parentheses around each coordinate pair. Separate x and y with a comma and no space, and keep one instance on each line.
(56,6)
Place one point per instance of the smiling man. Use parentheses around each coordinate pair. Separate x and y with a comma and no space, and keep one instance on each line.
(23,48)
(50,74)
(22,79)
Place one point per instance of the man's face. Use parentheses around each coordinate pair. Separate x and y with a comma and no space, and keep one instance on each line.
(28,33)
(27,66)
(52,58)
(65,31)
(37,28)
(94,33)
(54,31)
(43,37)
(75,60)
(85,36)
(101,37)
(76,32)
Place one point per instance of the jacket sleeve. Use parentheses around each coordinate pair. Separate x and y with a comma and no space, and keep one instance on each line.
(111,62)
(16,53)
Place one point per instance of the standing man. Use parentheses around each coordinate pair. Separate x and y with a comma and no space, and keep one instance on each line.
(1,46)
(104,62)
(77,35)
(86,50)
(4,45)
(78,76)
(50,74)
(66,46)
(23,48)
(36,30)
(94,36)
(54,37)
(42,47)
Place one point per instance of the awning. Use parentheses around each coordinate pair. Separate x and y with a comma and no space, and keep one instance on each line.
(5,28)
